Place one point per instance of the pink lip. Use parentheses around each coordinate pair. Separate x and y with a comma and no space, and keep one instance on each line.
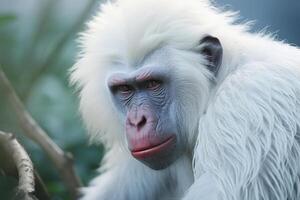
(152,150)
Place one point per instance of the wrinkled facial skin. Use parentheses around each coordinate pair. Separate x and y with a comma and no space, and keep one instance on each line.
(144,97)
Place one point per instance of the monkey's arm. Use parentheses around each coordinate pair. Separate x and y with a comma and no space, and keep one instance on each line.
(247,140)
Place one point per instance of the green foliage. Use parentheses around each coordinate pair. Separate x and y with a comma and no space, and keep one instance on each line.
(38,68)
(5,19)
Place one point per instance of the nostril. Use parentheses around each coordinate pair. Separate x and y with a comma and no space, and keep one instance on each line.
(142,122)
(138,123)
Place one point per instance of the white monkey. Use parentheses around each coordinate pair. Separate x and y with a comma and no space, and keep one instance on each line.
(189,104)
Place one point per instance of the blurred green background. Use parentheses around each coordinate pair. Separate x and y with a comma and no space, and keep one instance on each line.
(37,47)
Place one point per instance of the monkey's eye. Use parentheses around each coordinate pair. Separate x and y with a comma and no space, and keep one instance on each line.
(124,89)
(153,84)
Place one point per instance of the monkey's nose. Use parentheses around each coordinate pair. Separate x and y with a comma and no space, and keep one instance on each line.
(137,122)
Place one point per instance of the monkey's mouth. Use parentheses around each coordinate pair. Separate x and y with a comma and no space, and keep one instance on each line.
(151,151)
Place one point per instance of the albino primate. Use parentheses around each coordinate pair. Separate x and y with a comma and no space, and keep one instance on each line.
(189,104)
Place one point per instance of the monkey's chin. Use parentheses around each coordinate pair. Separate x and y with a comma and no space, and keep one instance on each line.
(160,156)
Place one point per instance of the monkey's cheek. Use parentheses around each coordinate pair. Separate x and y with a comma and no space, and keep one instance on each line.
(159,159)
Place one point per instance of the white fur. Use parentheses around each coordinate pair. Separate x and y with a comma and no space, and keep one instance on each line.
(246,126)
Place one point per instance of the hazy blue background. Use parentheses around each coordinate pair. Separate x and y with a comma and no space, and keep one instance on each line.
(37,47)
(280,16)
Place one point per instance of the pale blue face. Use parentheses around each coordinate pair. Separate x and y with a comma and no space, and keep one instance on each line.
(146,98)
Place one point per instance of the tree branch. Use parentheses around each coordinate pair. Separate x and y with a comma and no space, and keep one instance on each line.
(23,163)
(44,15)
(62,161)
(8,167)
(60,46)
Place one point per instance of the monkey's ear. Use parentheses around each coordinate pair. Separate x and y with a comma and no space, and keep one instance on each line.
(212,49)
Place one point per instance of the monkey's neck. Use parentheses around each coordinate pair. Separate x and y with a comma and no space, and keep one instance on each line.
(179,177)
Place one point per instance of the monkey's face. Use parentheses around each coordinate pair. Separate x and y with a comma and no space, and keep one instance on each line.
(158,97)
(145,98)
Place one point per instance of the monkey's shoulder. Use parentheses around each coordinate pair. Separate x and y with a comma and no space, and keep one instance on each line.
(258,85)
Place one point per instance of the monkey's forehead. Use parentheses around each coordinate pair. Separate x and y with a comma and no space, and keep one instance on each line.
(131,29)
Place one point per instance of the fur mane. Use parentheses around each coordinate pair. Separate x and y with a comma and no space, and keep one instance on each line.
(248,140)
(121,45)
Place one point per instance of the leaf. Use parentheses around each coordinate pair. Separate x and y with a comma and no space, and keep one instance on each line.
(7,18)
